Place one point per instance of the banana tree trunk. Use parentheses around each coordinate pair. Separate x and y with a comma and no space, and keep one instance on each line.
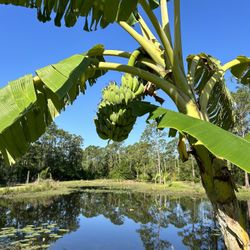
(220,188)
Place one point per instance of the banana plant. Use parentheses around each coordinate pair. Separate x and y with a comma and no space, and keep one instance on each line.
(205,106)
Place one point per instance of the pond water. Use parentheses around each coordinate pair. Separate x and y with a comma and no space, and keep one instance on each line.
(111,220)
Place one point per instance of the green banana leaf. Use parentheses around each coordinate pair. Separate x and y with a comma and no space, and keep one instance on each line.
(242,70)
(28,106)
(96,12)
(207,78)
(218,141)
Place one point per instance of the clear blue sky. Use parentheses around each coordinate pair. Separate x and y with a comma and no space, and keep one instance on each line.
(220,28)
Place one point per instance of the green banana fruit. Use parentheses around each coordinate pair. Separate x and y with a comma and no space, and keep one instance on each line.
(115,118)
(133,84)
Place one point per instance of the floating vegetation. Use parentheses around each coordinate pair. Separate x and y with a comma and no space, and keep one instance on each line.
(31,236)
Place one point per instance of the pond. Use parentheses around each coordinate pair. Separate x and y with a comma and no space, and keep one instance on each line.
(110,220)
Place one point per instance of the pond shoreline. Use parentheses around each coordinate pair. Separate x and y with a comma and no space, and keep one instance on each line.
(50,188)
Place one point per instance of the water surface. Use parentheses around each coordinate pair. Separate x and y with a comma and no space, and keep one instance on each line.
(106,220)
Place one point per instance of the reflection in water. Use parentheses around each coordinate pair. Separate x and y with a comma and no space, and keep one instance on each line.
(101,219)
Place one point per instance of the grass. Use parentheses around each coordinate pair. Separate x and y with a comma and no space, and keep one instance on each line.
(50,188)
(37,189)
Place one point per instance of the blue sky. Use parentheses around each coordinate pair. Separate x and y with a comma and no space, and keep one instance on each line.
(220,28)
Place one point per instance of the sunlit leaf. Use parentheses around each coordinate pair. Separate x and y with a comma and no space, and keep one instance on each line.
(242,70)
(218,141)
(28,106)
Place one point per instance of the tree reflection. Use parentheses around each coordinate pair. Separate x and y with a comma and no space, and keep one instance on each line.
(151,237)
(192,219)
(63,211)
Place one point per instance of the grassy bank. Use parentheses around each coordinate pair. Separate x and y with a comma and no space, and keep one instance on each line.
(52,188)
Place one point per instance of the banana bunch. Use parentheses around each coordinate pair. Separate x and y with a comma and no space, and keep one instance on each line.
(115,118)
(133,84)
(114,122)
(117,95)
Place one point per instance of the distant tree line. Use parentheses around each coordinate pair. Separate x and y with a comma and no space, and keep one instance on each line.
(154,158)
(57,154)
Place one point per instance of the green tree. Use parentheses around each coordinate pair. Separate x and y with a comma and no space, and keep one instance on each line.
(139,160)
(157,139)
(26,169)
(57,152)
(62,153)
(178,170)
(117,164)
(94,163)
(29,104)
(171,155)
(4,173)
(113,155)
(242,110)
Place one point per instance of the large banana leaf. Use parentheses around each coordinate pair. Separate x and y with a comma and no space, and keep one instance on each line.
(28,106)
(101,12)
(207,79)
(218,141)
